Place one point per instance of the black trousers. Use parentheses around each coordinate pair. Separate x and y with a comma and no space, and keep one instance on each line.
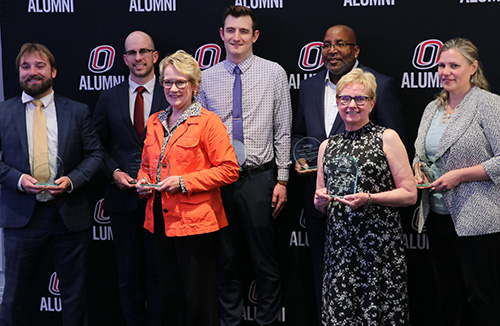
(187,276)
(247,203)
(137,277)
(467,273)
(24,248)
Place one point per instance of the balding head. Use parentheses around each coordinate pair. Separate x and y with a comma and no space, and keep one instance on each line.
(348,32)
(140,56)
(139,35)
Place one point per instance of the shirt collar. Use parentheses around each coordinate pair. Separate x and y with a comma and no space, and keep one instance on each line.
(193,110)
(150,85)
(243,65)
(327,77)
(46,100)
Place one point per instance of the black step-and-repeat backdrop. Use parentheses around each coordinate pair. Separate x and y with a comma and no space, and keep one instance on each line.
(400,38)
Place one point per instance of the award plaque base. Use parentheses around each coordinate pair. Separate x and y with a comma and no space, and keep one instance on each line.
(151,185)
(312,168)
(46,184)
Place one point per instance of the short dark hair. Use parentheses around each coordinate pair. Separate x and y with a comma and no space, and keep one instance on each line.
(29,48)
(240,11)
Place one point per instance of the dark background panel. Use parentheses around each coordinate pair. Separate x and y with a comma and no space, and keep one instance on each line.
(388,33)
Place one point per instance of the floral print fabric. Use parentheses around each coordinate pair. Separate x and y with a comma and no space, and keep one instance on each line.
(364,278)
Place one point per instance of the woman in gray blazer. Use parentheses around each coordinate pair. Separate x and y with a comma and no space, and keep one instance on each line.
(457,165)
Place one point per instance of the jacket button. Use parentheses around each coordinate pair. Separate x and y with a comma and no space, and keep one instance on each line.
(165,210)
(164,165)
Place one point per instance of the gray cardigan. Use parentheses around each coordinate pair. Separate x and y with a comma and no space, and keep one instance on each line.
(472,137)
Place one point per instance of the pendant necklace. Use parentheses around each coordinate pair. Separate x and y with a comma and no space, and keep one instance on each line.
(447,115)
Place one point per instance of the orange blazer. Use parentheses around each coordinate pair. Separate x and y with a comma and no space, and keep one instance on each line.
(200,151)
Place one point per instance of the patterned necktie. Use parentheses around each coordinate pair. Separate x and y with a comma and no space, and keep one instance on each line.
(41,168)
(139,112)
(237,106)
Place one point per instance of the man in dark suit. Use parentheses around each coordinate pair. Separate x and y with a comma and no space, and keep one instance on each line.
(55,214)
(121,129)
(317,116)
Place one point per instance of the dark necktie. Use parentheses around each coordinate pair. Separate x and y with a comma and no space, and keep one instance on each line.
(139,112)
(237,107)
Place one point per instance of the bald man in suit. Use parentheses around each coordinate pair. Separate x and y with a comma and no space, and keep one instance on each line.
(122,136)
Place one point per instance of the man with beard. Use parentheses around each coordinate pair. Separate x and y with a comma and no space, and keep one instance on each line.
(120,118)
(317,116)
(49,152)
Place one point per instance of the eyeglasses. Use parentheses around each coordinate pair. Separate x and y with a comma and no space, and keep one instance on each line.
(142,52)
(180,84)
(339,45)
(359,100)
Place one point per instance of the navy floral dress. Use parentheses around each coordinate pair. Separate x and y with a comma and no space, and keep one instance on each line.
(364,278)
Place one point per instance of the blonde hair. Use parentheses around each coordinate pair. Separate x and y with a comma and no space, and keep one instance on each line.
(471,54)
(185,64)
(359,76)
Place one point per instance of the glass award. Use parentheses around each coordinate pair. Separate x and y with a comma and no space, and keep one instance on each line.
(426,174)
(241,151)
(155,168)
(344,176)
(305,153)
(44,173)
(429,172)
(134,166)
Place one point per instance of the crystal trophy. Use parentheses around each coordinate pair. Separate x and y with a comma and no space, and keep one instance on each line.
(305,153)
(44,173)
(240,150)
(429,172)
(344,176)
(134,166)
(155,168)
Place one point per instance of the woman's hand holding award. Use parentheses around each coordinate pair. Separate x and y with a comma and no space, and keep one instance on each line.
(428,172)
(156,168)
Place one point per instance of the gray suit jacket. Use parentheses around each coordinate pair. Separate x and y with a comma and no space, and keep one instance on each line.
(472,137)
(78,147)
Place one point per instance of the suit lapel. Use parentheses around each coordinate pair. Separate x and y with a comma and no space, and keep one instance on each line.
(319,102)
(423,129)
(63,114)
(338,126)
(159,102)
(19,119)
(458,123)
(123,99)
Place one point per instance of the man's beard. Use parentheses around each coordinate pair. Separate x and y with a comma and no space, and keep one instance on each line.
(35,90)
(142,74)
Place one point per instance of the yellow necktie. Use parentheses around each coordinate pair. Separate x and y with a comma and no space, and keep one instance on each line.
(41,168)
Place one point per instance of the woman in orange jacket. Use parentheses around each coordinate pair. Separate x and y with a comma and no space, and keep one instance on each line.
(187,156)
